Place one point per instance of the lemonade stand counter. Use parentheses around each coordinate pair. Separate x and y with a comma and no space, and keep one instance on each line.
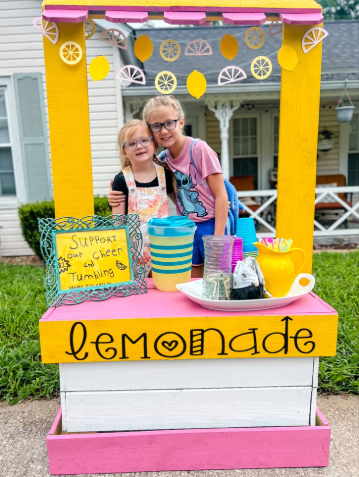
(153,381)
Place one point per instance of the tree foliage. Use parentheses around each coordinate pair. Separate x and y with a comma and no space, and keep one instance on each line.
(340,9)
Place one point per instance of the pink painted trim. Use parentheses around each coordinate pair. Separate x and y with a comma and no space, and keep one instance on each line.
(189,449)
(185,18)
(156,304)
(302,18)
(322,418)
(56,422)
(65,16)
(126,16)
(254,19)
(184,9)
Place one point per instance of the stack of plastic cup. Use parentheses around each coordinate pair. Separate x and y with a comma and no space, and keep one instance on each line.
(171,247)
(237,252)
(247,231)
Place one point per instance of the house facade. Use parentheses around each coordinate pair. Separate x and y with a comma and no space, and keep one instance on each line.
(239,121)
(25,167)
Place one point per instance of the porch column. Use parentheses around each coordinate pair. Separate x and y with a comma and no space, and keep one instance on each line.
(223,111)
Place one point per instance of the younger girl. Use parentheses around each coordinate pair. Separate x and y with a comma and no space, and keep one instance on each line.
(144,184)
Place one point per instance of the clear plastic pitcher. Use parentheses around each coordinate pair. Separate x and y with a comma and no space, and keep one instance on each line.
(217,276)
(171,248)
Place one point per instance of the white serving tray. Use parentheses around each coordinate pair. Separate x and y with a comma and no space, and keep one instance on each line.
(193,290)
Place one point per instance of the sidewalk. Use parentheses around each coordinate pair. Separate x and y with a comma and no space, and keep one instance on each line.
(23,430)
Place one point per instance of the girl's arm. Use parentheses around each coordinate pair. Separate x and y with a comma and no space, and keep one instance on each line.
(115,197)
(172,196)
(218,189)
(119,209)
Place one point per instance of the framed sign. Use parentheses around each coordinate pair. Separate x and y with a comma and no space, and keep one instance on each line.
(92,258)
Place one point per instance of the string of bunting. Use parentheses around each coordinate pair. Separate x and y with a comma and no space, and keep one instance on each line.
(170,50)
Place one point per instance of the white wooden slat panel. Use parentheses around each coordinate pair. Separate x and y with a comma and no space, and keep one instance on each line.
(313,404)
(24,13)
(189,374)
(185,409)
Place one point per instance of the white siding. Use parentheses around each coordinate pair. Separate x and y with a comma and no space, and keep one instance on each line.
(21,51)
(328,162)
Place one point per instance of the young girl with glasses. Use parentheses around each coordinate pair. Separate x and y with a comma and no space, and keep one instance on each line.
(143,183)
(201,193)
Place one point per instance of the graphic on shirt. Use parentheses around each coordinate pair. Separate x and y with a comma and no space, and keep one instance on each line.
(188,197)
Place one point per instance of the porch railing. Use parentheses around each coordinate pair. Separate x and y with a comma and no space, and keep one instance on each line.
(265,205)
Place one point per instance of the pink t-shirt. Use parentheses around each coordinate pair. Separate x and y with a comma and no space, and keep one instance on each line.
(194,197)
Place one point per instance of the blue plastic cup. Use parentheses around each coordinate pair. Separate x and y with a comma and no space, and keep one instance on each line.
(246,230)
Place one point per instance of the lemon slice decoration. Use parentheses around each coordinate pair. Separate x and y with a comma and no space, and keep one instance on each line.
(254,38)
(71,53)
(166,82)
(143,48)
(229,46)
(261,67)
(170,50)
(90,28)
(196,84)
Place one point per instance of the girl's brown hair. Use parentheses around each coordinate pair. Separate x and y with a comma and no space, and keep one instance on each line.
(125,134)
(160,101)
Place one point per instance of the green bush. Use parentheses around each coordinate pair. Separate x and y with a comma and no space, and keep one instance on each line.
(30,213)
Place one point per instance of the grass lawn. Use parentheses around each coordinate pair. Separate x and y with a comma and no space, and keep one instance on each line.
(22,303)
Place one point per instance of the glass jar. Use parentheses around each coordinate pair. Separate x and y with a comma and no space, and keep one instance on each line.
(217,276)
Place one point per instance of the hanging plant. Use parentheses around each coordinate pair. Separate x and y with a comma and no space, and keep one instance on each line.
(345,111)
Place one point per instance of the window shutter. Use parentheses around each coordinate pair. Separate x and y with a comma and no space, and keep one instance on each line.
(33,138)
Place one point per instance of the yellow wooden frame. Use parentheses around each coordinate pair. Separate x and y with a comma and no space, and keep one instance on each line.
(299,115)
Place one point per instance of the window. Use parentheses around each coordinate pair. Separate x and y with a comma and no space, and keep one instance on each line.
(353,157)
(245,156)
(275,141)
(7,176)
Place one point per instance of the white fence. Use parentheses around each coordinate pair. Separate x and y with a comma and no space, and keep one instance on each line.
(265,200)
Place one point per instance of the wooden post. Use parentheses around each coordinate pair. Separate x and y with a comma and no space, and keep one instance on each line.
(298,136)
(69,125)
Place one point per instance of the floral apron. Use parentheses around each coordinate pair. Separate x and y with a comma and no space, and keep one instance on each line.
(147,202)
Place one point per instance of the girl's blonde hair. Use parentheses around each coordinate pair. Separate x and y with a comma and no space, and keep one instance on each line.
(160,101)
(125,134)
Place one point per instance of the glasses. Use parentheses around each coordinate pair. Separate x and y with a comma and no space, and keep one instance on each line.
(170,124)
(144,141)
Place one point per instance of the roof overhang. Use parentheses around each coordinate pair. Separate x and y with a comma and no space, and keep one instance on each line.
(193,12)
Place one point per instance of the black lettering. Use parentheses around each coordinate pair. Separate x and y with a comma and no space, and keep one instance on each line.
(98,342)
(74,240)
(170,345)
(296,337)
(285,337)
(254,347)
(144,336)
(84,336)
(197,342)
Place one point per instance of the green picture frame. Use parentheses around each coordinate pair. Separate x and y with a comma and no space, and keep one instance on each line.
(58,265)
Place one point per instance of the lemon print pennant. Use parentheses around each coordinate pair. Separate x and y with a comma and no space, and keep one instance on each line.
(71,53)
(254,38)
(261,67)
(143,48)
(170,50)
(166,82)
(229,46)
(99,68)
(196,84)
(287,58)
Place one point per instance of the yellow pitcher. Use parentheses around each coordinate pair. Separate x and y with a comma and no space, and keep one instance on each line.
(279,268)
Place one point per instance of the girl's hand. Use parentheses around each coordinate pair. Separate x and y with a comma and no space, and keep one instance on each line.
(115,197)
